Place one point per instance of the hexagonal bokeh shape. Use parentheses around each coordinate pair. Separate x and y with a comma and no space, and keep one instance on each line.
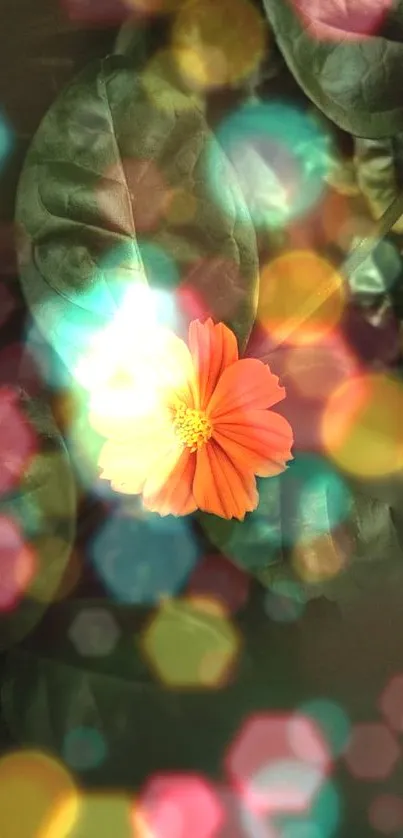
(372,751)
(94,632)
(38,796)
(189,645)
(84,748)
(386,813)
(141,560)
(278,762)
(391,703)
(102,813)
(177,806)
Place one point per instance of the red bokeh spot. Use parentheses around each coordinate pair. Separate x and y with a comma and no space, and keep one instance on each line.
(17,363)
(277,762)
(216,577)
(316,371)
(332,20)
(96,12)
(17,565)
(17,441)
(391,703)
(177,806)
(149,194)
(361,427)
(372,752)
(386,813)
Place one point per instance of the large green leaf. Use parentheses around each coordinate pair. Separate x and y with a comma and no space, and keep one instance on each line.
(110,145)
(354,81)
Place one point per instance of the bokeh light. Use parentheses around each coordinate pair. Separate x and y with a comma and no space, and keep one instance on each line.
(391,703)
(105,813)
(210,53)
(95,12)
(215,576)
(94,632)
(256,541)
(60,584)
(84,748)
(58,502)
(125,359)
(279,157)
(334,21)
(316,370)
(284,602)
(256,824)
(181,208)
(116,298)
(18,363)
(18,442)
(332,721)
(372,751)
(142,560)
(6,140)
(318,499)
(361,427)
(377,273)
(235,814)
(148,192)
(189,645)
(157,81)
(386,813)
(300,829)
(323,557)
(321,821)
(278,762)
(154,7)
(160,268)
(178,805)
(301,298)
(37,797)
(17,564)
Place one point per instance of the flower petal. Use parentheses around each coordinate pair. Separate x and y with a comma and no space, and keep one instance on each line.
(219,487)
(151,448)
(177,372)
(256,440)
(246,384)
(213,348)
(127,469)
(174,496)
(133,429)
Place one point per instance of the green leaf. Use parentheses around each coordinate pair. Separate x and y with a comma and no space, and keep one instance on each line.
(110,151)
(354,81)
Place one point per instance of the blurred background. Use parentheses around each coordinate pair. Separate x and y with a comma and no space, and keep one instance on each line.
(341,774)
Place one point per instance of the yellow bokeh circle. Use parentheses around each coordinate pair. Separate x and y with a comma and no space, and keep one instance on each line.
(38,798)
(217,44)
(362,428)
(301,298)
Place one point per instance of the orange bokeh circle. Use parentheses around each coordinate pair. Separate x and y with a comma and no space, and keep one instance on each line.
(301,298)
(362,428)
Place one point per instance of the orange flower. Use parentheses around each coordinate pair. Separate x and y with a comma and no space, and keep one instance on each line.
(206,432)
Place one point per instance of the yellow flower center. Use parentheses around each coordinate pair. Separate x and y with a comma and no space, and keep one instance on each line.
(191,426)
